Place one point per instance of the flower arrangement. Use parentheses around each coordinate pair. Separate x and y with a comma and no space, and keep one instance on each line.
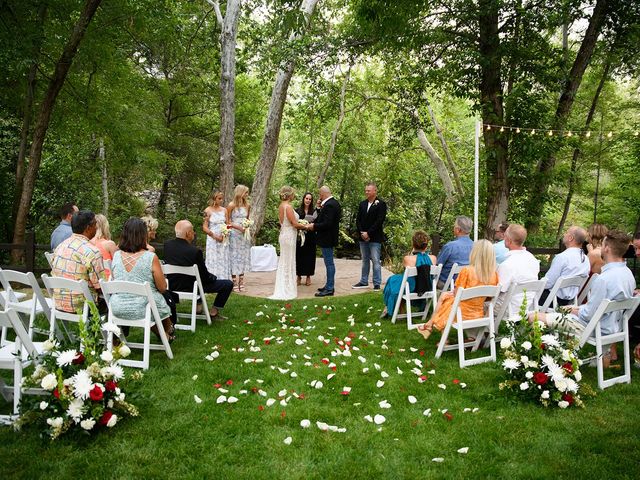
(82,385)
(247,224)
(225,231)
(302,232)
(540,362)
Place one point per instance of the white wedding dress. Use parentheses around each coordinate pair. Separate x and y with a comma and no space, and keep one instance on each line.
(286,288)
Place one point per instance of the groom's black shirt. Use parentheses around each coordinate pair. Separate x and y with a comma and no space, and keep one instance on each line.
(371,221)
(327,224)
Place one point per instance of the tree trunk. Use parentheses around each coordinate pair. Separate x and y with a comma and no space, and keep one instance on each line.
(27,114)
(573,175)
(540,186)
(228,34)
(105,179)
(269,150)
(441,168)
(496,143)
(44,116)
(336,129)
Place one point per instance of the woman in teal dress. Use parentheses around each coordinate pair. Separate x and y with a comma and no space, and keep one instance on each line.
(134,263)
(419,256)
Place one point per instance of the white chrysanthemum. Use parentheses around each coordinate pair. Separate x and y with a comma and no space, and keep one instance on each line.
(566,355)
(65,358)
(556,373)
(548,361)
(550,340)
(82,384)
(561,384)
(49,382)
(526,345)
(75,409)
(524,386)
(112,371)
(106,356)
(510,364)
(545,395)
(88,424)
(572,385)
(577,375)
(112,421)
(505,343)
(529,375)
(563,404)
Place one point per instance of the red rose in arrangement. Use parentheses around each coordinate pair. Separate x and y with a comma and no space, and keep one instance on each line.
(96,394)
(110,385)
(79,360)
(568,367)
(540,378)
(106,416)
(56,393)
(567,397)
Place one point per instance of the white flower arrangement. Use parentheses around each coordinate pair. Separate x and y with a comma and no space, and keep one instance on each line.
(225,231)
(247,223)
(302,233)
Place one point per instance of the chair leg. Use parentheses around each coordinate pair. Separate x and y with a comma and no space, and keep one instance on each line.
(17,381)
(147,342)
(194,304)
(461,345)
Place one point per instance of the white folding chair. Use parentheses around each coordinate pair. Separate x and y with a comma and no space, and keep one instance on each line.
(38,303)
(450,283)
(592,334)
(49,257)
(197,293)
(15,356)
(70,286)
(586,290)
(551,303)
(149,318)
(532,289)
(490,294)
(405,293)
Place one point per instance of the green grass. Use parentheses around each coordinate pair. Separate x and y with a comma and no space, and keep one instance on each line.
(177,438)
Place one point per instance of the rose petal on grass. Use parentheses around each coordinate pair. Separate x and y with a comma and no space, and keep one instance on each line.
(437,459)
(384,404)
(379,384)
(288,440)
(399,371)
(322,426)
(271,401)
(427,412)
(379,419)
(412,399)
(368,418)
(463,450)
(384,374)
(442,386)
(305,423)
(197,399)
(195,377)
(232,400)
(221,399)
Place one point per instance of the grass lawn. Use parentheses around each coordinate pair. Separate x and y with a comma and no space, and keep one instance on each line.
(176,437)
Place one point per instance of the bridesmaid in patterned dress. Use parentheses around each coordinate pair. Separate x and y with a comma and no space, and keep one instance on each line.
(239,247)
(217,253)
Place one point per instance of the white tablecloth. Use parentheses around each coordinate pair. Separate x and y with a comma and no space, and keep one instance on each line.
(264,258)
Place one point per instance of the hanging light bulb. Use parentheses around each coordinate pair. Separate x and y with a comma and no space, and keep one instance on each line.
(533,131)
(518,130)
(550,133)
(569,133)
(501,129)
(636,134)
(488,127)
(588,134)
(610,134)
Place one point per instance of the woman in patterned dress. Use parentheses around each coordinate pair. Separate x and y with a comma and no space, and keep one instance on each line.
(217,254)
(239,247)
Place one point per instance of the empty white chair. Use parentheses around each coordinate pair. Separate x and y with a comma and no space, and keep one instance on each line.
(551,303)
(450,283)
(592,334)
(149,318)
(38,303)
(586,290)
(79,287)
(479,325)
(405,294)
(15,356)
(197,293)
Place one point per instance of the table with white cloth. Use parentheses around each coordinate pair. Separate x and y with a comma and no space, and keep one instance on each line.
(264,258)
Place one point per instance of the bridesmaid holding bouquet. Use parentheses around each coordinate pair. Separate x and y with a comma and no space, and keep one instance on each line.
(306,253)
(214,225)
(239,246)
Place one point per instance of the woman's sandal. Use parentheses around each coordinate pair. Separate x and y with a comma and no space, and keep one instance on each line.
(425,331)
(308,282)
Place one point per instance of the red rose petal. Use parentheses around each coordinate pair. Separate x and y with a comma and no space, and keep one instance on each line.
(448,416)
(456,381)
(229,382)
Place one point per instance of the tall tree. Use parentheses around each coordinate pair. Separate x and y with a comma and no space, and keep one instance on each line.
(44,116)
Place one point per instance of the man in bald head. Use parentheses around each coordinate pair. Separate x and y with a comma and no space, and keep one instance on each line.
(571,262)
(181,252)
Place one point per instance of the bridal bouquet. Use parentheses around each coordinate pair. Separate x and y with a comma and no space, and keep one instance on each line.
(540,362)
(82,385)
(302,232)
(247,224)
(225,231)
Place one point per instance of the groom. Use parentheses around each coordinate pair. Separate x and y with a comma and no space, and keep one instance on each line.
(326,227)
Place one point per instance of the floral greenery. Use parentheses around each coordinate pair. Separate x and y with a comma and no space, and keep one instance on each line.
(541,362)
(81,381)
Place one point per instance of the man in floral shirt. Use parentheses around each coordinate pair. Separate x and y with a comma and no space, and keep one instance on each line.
(78,259)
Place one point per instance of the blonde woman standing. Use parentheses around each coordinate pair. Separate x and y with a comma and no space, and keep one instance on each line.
(480,271)
(286,288)
(217,253)
(239,247)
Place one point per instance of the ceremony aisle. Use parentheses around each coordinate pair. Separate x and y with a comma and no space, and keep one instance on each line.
(312,389)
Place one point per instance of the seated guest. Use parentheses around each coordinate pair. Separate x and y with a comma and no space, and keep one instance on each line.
(152,228)
(480,271)
(569,263)
(456,251)
(102,241)
(634,321)
(418,257)
(519,265)
(616,282)
(595,234)
(77,258)
(63,230)
(134,263)
(500,248)
(181,252)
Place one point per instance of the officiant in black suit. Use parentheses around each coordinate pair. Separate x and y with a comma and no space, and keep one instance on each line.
(181,252)
(327,227)
(371,215)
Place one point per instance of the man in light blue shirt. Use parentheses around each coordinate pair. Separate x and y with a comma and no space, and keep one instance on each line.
(456,251)
(569,263)
(499,247)
(63,230)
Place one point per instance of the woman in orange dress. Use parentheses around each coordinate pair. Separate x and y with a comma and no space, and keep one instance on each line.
(480,271)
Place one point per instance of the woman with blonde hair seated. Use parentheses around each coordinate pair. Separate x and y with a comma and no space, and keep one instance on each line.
(152,227)
(480,271)
(102,241)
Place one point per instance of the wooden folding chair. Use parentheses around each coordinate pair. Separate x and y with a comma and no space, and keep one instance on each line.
(551,303)
(149,318)
(80,287)
(197,293)
(490,294)
(592,334)
(405,294)
(450,283)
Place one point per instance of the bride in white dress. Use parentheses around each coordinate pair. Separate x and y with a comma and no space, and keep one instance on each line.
(286,288)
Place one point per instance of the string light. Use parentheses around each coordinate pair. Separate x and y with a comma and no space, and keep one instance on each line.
(533,131)
(488,127)
(518,131)
(550,133)
(588,134)
(610,134)
(569,133)
(501,129)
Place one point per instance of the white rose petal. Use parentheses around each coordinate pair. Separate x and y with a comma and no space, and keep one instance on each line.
(197,399)
(195,377)
(442,386)
(379,384)
(288,440)
(379,419)
(577,375)
(412,399)
(384,374)
(271,401)
(427,412)
(322,426)
(384,404)
(221,399)
(368,418)
(437,459)
(215,354)
(463,450)
(232,400)
(305,423)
